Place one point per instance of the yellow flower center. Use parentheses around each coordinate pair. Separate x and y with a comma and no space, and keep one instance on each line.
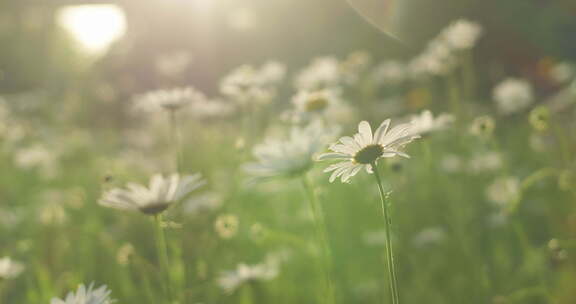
(369,154)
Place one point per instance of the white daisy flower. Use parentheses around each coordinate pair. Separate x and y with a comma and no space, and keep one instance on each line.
(157,197)
(10,269)
(323,72)
(85,295)
(425,122)
(513,95)
(248,84)
(364,149)
(291,157)
(244,273)
(504,191)
(461,34)
(172,99)
(315,101)
(390,73)
(211,109)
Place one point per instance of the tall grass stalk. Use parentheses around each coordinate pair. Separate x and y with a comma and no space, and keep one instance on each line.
(162,249)
(389,251)
(322,237)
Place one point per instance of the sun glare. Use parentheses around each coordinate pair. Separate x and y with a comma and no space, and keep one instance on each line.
(94,26)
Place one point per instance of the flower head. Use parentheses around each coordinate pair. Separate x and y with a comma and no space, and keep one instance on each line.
(364,149)
(226,225)
(86,296)
(293,156)
(161,193)
(426,122)
(323,72)
(172,99)
(513,95)
(248,84)
(266,271)
(9,268)
(462,34)
(504,191)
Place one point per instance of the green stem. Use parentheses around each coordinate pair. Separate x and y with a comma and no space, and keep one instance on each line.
(322,237)
(175,140)
(162,248)
(389,252)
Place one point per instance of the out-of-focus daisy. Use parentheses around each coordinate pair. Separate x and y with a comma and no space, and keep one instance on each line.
(171,99)
(504,191)
(173,64)
(314,102)
(425,122)
(211,109)
(244,273)
(364,149)
(291,157)
(513,95)
(323,72)
(226,225)
(161,193)
(485,162)
(39,157)
(461,34)
(451,163)
(483,126)
(540,118)
(563,72)
(10,269)
(201,202)
(85,295)
(353,67)
(125,254)
(248,84)
(390,73)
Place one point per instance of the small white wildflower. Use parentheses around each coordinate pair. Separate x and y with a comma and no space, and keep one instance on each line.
(390,73)
(85,295)
(364,149)
(485,162)
(323,72)
(563,72)
(291,157)
(425,122)
(461,34)
(10,269)
(226,225)
(244,273)
(504,191)
(161,193)
(248,84)
(513,95)
(429,236)
(315,101)
(172,99)
(201,202)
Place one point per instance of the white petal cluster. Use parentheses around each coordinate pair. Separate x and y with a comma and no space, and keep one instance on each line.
(504,191)
(292,156)
(248,84)
(425,122)
(85,295)
(161,193)
(513,95)
(461,34)
(10,269)
(323,72)
(170,99)
(390,73)
(315,101)
(365,148)
(244,273)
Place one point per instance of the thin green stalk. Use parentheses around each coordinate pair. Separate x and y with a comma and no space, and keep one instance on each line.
(389,252)
(162,248)
(322,238)
(175,140)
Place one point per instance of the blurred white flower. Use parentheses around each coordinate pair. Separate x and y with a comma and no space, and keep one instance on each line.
(429,236)
(52,213)
(504,191)
(211,109)
(513,95)
(226,225)
(172,99)
(85,295)
(244,273)
(10,269)
(451,163)
(425,122)
(38,157)
(390,73)
(293,156)
(161,193)
(323,72)
(485,162)
(365,148)
(204,201)
(354,66)
(247,84)
(483,126)
(563,72)
(461,34)
(315,101)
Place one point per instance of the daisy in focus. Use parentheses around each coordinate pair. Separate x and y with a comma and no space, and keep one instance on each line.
(293,156)
(365,148)
(86,296)
(161,193)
